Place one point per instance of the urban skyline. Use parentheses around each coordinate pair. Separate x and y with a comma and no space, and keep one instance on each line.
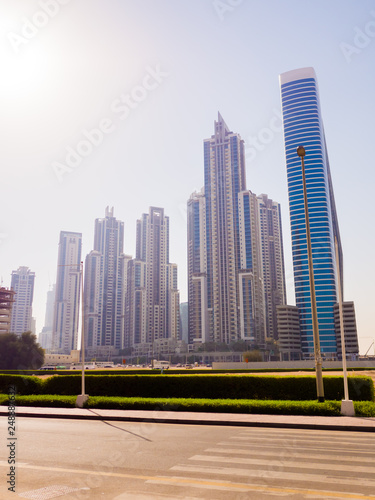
(235,255)
(197,62)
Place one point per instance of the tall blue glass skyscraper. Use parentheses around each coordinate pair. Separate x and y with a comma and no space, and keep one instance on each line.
(303,127)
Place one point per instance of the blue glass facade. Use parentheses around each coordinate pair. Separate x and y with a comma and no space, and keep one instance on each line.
(303,127)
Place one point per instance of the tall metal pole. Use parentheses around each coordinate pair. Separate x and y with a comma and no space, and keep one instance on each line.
(315,324)
(82,336)
(343,351)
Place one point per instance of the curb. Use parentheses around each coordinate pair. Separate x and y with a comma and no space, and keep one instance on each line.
(234,420)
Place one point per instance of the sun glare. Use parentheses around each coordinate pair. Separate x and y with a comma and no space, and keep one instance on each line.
(25,73)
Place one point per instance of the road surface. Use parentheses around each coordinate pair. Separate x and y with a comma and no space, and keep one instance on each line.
(71,459)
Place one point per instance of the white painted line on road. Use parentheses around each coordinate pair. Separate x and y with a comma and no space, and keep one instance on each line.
(286,457)
(366,443)
(271,474)
(286,444)
(231,486)
(202,483)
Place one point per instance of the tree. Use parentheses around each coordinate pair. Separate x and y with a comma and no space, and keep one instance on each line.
(20,352)
(252,356)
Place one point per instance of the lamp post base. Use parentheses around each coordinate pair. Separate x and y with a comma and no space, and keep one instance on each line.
(347,408)
(81,400)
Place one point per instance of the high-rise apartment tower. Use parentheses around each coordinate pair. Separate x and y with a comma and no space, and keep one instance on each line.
(104,293)
(234,250)
(23,285)
(152,303)
(67,298)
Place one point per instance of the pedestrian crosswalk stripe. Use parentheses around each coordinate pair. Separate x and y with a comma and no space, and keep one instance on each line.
(272,474)
(288,454)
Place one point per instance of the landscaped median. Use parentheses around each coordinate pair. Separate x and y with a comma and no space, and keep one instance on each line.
(280,395)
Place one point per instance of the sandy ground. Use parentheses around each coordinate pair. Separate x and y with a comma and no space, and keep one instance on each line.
(355,373)
(369,373)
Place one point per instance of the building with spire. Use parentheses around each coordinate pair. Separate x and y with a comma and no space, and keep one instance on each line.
(303,126)
(235,257)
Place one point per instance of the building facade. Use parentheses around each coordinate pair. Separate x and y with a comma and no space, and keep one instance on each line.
(272,261)
(45,336)
(198,316)
(289,333)
(303,126)
(6,304)
(22,283)
(235,257)
(152,301)
(68,289)
(350,330)
(252,305)
(224,179)
(104,292)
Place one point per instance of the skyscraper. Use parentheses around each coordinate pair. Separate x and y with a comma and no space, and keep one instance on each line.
(45,336)
(23,285)
(235,257)
(252,304)
(224,179)
(198,326)
(104,287)
(303,126)
(67,299)
(152,311)
(272,261)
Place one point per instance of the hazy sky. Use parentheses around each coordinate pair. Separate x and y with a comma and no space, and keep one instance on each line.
(135,86)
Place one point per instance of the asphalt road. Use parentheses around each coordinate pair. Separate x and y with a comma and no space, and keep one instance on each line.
(72,459)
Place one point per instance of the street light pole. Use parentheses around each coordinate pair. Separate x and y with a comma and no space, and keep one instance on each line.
(347,407)
(315,324)
(82,398)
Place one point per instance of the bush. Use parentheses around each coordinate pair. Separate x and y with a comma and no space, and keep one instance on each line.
(23,384)
(42,400)
(65,385)
(364,408)
(210,386)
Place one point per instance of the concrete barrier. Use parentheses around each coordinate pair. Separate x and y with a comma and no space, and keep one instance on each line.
(286,365)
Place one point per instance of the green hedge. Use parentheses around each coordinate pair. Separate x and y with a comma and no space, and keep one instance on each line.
(328,408)
(211,387)
(23,384)
(193,386)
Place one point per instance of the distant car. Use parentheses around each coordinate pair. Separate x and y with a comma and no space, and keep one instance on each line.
(189,367)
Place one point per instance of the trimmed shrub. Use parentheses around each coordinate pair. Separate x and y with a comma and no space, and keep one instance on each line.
(64,385)
(23,384)
(210,386)
(42,400)
(328,408)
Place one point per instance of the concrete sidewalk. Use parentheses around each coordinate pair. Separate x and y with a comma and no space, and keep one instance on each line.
(200,418)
